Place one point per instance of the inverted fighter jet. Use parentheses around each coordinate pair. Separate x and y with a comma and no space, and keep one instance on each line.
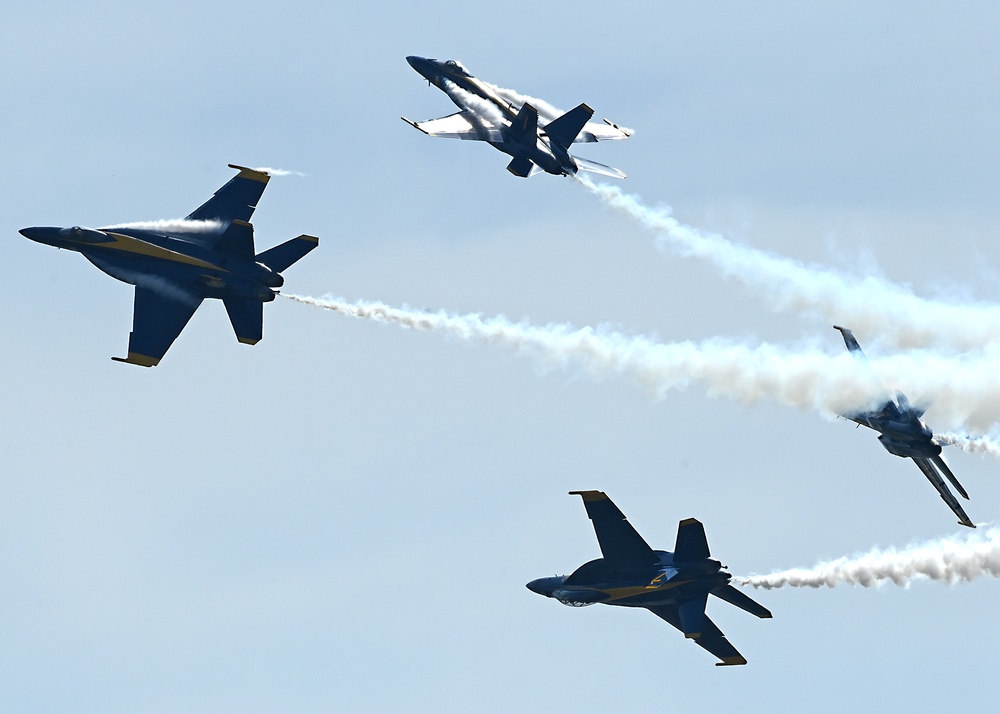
(489,114)
(673,586)
(174,265)
(903,433)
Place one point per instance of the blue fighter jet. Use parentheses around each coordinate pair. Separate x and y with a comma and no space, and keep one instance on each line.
(673,586)
(903,433)
(490,114)
(174,265)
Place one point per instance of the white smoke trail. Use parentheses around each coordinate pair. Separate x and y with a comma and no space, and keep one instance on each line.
(278,172)
(966,392)
(172,225)
(484,110)
(971,444)
(868,305)
(959,558)
(546,111)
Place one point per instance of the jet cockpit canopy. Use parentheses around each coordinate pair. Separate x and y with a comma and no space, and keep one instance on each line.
(458,66)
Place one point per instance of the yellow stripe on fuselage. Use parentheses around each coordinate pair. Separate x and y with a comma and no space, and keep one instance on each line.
(128,244)
(620,593)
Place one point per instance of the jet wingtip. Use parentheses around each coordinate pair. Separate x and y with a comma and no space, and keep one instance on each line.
(589,495)
(731,662)
(415,125)
(138,359)
(253,174)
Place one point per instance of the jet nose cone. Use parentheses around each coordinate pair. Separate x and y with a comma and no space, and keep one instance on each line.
(422,65)
(40,234)
(545,586)
(535,586)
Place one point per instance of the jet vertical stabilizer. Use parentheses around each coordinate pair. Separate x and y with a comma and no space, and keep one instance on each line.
(525,125)
(564,130)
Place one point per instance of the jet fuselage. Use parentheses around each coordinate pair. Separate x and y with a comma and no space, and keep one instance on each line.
(901,431)
(141,257)
(547,155)
(441,73)
(666,583)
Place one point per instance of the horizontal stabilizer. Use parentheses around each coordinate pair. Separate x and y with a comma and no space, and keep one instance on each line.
(927,467)
(521,166)
(247,318)
(692,545)
(943,468)
(281,256)
(564,130)
(593,167)
(741,600)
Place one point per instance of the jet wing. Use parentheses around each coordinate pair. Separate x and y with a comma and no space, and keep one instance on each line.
(621,545)
(608,131)
(710,639)
(595,168)
(159,315)
(855,349)
(461,125)
(927,467)
(236,200)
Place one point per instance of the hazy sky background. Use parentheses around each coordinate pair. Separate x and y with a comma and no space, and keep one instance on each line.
(343,517)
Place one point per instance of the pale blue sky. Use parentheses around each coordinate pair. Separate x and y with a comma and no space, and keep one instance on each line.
(343,517)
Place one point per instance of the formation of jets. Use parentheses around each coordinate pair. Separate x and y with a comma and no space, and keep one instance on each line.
(673,586)
(175,265)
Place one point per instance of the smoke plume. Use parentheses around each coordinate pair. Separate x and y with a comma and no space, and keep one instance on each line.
(546,111)
(967,392)
(484,110)
(278,172)
(959,558)
(971,444)
(172,225)
(869,305)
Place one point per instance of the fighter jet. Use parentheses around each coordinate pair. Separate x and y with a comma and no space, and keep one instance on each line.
(174,265)
(489,114)
(673,586)
(903,433)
